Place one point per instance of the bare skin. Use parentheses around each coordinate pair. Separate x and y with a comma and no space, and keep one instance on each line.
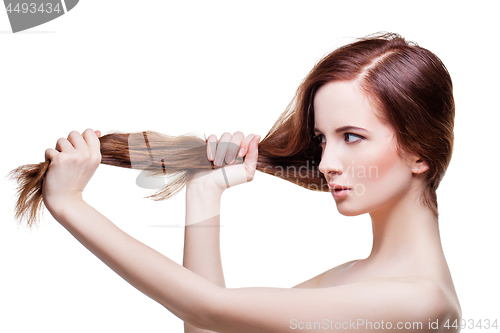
(405,278)
(419,264)
(406,241)
(406,249)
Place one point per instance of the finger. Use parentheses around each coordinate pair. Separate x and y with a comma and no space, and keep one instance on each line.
(251,157)
(63,145)
(98,133)
(50,154)
(77,141)
(211,147)
(244,145)
(92,141)
(234,146)
(220,154)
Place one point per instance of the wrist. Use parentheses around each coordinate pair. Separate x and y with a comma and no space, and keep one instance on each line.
(202,202)
(61,210)
(204,185)
(219,180)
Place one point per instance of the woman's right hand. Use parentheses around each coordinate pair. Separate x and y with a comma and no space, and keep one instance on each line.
(224,152)
(72,164)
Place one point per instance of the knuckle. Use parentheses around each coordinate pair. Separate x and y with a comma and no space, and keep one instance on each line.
(50,155)
(74,133)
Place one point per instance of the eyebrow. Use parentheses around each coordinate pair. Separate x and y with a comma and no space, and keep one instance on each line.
(345,128)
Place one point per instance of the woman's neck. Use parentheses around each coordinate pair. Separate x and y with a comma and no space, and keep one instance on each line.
(405,233)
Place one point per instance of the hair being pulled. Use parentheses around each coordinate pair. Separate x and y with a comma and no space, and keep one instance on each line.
(178,158)
(410,86)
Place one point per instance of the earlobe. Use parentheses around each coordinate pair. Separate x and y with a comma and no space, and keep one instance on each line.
(420,166)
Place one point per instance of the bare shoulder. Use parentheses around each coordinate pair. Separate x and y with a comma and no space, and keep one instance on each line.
(417,300)
(438,303)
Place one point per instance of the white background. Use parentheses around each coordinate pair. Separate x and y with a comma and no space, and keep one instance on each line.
(209,67)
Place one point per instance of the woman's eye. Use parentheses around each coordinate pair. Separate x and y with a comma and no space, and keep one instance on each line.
(351,137)
(320,139)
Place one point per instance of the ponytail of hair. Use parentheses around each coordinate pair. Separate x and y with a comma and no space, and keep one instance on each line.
(410,86)
(177,157)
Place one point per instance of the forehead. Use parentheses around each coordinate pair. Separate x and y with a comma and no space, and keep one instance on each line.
(342,103)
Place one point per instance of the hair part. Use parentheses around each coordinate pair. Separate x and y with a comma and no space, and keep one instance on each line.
(412,91)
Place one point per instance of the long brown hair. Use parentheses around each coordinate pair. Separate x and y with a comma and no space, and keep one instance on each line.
(409,84)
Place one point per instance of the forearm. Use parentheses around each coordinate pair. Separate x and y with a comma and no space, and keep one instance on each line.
(202,237)
(185,294)
(202,233)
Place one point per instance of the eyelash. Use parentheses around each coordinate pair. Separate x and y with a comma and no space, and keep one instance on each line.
(319,136)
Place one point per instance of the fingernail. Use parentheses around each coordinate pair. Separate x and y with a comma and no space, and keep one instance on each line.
(242,151)
(229,159)
(218,161)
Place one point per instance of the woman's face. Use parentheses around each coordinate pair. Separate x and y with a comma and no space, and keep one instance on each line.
(363,159)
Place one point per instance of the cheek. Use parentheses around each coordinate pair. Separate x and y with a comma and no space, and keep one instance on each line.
(382,164)
(381,174)
(378,176)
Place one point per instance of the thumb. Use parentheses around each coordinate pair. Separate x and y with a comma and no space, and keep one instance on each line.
(251,157)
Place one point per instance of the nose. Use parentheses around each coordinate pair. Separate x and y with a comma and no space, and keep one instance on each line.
(330,164)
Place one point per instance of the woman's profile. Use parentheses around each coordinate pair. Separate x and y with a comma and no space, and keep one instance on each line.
(372,123)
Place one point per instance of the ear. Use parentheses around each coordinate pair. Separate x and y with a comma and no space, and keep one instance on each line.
(419,166)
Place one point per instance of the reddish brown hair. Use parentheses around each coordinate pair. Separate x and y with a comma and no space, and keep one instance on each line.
(409,84)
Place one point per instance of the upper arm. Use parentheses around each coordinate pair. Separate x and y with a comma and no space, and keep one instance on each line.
(313,282)
(281,310)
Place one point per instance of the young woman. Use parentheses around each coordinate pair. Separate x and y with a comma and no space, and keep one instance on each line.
(376,117)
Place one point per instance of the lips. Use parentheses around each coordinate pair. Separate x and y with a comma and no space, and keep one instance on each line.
(339,191)
(337,187)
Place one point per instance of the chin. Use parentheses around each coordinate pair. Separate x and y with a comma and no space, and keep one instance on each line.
(350,211)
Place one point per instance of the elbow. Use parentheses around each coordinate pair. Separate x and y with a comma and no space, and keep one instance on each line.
(213,311)
(206,312)
(201,321)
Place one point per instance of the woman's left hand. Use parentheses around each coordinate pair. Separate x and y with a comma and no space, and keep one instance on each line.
(225,151)
(72,164)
